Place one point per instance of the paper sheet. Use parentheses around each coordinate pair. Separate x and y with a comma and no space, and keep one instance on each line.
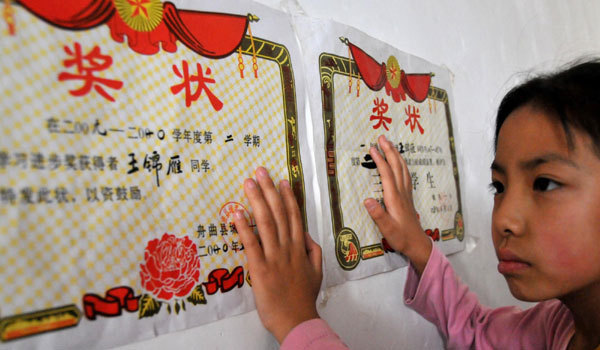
(122,157)
(360,88)
(128,128)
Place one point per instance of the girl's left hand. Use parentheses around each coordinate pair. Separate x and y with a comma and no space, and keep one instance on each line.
(398,221)
(285,264)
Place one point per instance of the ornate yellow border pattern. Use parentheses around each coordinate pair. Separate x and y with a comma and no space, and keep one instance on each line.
(279,54)
(344,237)
(37,322)
(28,324)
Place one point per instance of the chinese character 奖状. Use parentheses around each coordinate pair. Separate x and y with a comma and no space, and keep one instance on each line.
(202,82)
(413,119)
(380,109)
(85,66)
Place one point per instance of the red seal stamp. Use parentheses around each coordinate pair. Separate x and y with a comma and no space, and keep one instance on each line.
(227,210)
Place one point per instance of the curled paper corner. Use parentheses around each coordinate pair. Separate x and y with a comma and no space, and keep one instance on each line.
(450,74)
(323,298)
(470,243)
(291,7)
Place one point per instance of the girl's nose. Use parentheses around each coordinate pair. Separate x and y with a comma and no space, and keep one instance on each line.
(508,216)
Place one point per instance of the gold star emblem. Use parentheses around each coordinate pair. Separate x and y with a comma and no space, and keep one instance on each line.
(393,72)
(139,7)
(140,15)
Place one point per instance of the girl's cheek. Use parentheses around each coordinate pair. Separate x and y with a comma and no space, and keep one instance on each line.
(561,255)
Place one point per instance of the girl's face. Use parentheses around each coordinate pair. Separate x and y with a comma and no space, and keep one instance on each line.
(546,217)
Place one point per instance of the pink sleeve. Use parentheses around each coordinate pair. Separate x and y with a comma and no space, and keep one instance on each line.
(444,300)
(313,334)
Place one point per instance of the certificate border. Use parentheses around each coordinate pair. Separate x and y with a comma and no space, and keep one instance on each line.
(43,322)
(329,65)
(279,54)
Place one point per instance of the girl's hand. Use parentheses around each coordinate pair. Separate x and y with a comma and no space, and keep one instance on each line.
(398,222)
(285,264)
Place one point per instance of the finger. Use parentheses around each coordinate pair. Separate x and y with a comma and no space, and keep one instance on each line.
(252,247)
(293,213)
(262,215)
(315,254)
(393,158)
(382,219)
(387,177)
(276,206)
(407,179)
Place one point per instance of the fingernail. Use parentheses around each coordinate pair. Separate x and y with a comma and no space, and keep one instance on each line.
(238,215)
(250,183)
(370,204)
(384,138)
(262,172)
(284,183)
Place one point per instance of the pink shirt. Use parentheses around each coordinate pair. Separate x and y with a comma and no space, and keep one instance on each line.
(313,334)
(444,300)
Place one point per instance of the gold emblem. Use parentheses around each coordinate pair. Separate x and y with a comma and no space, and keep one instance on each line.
(393,71)
(140,15)
(347,249)
(459,226)
(37,322)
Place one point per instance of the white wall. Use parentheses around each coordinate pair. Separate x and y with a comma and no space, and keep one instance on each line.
(485,44)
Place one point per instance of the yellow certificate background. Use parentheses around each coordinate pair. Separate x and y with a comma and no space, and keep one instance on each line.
(54,253)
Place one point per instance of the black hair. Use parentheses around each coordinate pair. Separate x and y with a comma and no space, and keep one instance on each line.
(571,95)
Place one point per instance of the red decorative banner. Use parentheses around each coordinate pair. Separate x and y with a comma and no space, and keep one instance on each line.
(209,34)
(397,83)
(116,300)
(223,280)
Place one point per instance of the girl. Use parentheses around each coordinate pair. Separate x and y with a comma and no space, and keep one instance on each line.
(545,230)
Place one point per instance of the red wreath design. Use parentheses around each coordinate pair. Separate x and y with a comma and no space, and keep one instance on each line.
(171,267)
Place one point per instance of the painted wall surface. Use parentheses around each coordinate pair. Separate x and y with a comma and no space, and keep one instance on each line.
(489,46)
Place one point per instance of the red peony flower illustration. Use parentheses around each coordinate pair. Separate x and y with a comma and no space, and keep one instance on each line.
(171,267)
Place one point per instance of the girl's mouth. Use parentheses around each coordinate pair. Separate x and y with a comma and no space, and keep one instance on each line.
(509,263)
(506,267)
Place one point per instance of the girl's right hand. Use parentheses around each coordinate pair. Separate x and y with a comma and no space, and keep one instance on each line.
(398,222)
(283,260)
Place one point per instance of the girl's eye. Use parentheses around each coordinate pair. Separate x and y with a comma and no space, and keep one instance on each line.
(544,184)
(496,187)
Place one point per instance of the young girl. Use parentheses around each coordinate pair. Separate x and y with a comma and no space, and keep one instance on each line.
(545,229)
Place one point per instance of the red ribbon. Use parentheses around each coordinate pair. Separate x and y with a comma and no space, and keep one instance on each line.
(434,234)
(223,280)
(209,34)
(116,300)
(374,75)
